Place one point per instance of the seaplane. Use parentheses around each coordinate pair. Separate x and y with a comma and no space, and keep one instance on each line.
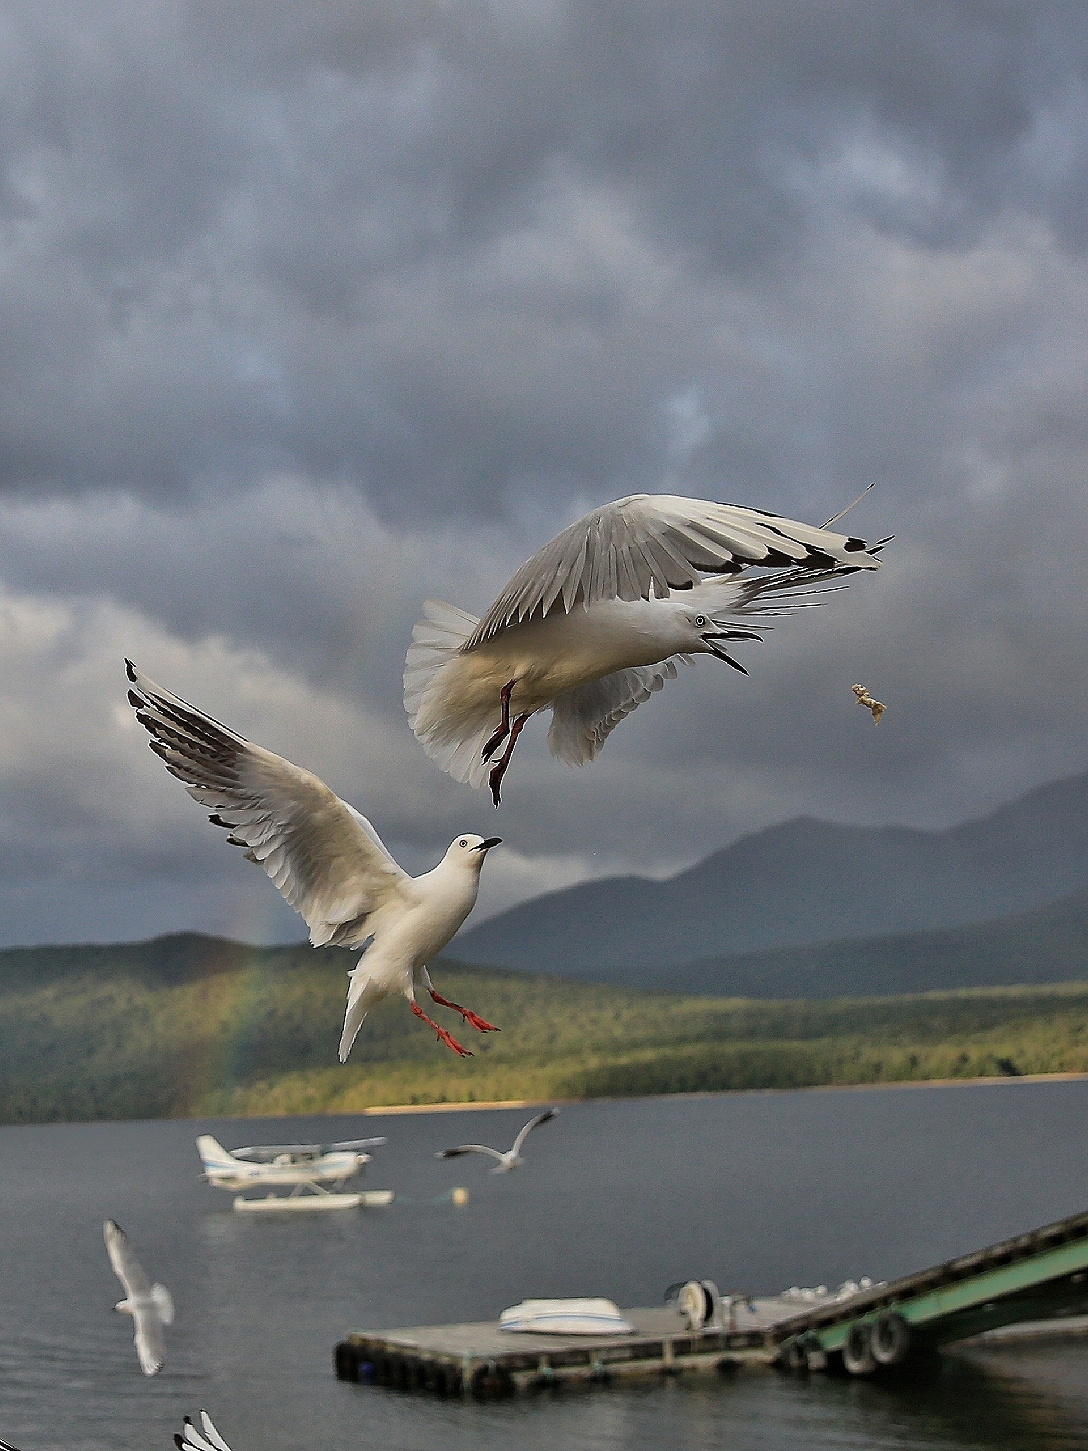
(303,1169)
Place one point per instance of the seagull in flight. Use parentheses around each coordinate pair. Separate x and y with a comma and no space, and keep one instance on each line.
(592,624)
(323,855)
(149,1305)
(192,1439)
(512,1158)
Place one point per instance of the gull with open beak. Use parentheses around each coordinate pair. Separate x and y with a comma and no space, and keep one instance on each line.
(592,624)
(323,855)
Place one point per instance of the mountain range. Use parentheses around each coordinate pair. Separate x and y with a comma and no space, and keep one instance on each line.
(806,883)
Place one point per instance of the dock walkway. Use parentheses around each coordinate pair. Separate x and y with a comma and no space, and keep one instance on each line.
(1038,1276)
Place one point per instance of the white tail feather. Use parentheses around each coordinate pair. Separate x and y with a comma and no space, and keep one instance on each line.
(437,642)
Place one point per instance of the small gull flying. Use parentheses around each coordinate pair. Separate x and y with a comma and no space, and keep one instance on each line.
(149,1305)
(512,1158)
(323,855)
(592,624)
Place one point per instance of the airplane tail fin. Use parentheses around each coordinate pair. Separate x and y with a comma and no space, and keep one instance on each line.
(212,1153)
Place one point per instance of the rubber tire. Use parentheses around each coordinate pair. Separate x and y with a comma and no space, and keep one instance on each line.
(890,1339)
(795,1357)
(857,1352)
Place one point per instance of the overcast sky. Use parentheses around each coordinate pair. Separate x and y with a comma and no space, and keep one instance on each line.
(313,310)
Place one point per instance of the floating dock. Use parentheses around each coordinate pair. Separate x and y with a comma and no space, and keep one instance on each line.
(1041,1276)
(486,1362)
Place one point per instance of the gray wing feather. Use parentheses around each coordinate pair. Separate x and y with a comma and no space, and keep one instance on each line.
(650,544)
(468,1149)
(192,1440)
(126,1266)
(541,1118)
(584,718)
(325,858)
(148,1339)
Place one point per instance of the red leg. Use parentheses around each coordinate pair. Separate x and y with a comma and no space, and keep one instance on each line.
(504,727)
(499,770)
(447,1038)
(480,1024)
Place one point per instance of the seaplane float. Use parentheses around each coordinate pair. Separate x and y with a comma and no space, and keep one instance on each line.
(303,1169)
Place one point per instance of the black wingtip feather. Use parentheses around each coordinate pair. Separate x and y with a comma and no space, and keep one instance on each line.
(137,700)
(130,670)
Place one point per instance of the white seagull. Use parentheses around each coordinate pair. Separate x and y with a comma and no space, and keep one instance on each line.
(149,1305)
(323,855)
(591,625)
(512,1158)
(194,1440)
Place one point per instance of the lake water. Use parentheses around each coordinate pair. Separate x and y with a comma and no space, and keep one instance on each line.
(618,1198)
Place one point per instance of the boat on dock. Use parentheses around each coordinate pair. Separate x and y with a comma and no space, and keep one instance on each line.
(1037,1277)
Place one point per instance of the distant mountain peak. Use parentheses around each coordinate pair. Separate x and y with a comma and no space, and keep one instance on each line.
(800,882)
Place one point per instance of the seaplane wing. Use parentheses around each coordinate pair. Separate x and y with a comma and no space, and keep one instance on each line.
(269,1153)
(266,1153)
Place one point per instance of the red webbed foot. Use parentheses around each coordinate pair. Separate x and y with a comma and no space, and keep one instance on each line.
(444,1037)
(480,1024)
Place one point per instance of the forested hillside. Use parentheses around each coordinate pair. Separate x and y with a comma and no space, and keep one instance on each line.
(188,1026)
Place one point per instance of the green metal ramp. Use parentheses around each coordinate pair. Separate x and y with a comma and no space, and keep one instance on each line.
(1036,1276)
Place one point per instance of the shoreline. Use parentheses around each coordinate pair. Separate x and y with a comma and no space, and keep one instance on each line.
(404,1108)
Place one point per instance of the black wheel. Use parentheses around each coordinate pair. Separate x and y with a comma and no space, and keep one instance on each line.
(794,1356)
(890,1339)
(857,1353)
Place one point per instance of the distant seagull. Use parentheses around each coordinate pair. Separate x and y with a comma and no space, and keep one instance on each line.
(865,699)
(192,1440)
(590,626)
(325,858)
(512,1158)
(149,1305)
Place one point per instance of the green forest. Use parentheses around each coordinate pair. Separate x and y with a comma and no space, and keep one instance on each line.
(192,1026)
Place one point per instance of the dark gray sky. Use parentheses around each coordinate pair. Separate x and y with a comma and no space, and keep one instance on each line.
(311,311)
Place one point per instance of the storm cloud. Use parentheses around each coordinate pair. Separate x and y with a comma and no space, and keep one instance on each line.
(312,311)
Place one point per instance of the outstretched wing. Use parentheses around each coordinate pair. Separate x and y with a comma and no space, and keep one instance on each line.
(541,1118)
(652,543)
(148,1337)
(468,1149)
(192,1440)
(126,1266)
(325,858)
(584,718)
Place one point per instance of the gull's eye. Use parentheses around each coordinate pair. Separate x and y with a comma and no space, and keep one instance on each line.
(463,841)
(700,621)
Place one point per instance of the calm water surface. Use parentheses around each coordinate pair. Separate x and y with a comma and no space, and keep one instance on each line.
(757,1191)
